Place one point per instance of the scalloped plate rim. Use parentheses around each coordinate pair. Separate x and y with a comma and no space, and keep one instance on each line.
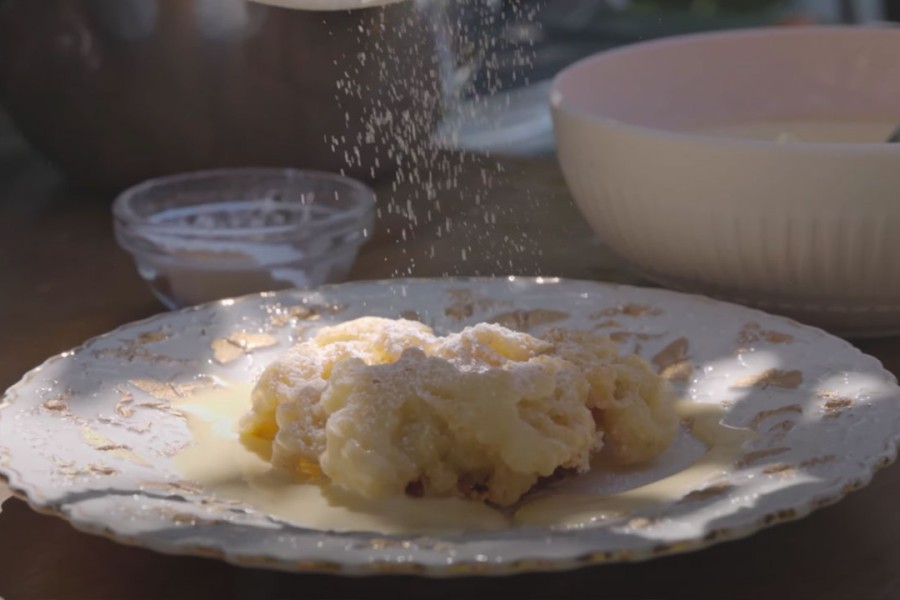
(313,564)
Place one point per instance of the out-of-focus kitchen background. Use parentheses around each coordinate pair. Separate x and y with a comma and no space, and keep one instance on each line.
(564,31)
(114,91)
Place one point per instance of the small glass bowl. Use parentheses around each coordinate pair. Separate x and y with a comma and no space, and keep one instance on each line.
(217,234)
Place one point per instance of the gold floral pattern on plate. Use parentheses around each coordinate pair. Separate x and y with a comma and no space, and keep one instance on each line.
(234,346)
(674,361)
(789,380)
(527,320)
(628,310)
(754,333)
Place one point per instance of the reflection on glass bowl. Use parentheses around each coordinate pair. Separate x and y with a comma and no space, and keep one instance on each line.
(209,235)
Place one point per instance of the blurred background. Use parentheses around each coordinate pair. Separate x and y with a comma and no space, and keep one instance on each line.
(111,92)
(557,33)
(563,31)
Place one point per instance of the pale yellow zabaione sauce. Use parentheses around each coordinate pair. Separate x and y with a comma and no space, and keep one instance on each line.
(221,464)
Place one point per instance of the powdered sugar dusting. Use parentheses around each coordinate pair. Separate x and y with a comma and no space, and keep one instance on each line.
(488,345)
(377,405)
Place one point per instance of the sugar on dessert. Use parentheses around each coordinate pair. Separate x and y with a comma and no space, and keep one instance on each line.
(385,407)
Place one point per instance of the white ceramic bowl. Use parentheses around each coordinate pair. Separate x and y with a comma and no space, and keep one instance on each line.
(807,229)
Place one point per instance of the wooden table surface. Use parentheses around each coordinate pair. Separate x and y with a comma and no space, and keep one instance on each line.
(63,280)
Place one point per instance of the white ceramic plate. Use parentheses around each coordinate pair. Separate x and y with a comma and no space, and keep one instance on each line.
(90,435)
